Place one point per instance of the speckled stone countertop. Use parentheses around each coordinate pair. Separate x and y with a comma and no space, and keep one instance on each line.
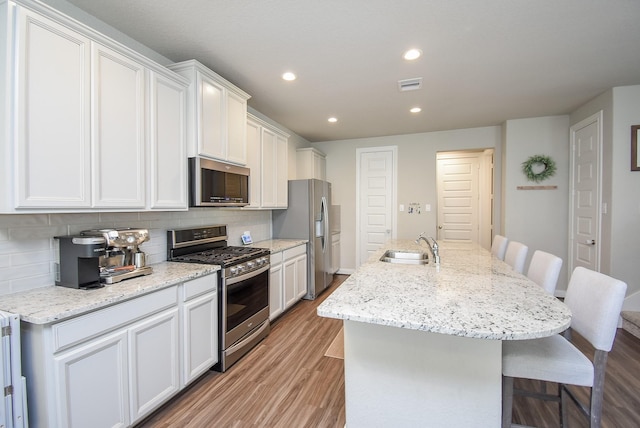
(50,304)
(277,245)
(471,294)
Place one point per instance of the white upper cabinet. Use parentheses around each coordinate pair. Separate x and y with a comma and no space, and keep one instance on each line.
(310,163)
(118,130)
(86,122)
(167,148)
(236,128)
(52,117)
(254,162)
(217,114)
(282,171)
(267,159)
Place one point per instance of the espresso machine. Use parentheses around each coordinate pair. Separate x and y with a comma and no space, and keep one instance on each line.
(78,261)
(122,258)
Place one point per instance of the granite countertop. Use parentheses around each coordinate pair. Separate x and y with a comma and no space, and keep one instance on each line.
(470,294)
(278,245)
(50,304)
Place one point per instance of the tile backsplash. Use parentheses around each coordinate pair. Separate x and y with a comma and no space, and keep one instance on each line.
(26,240)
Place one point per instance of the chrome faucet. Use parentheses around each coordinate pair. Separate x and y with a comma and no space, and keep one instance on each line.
(423,238)
(433,246)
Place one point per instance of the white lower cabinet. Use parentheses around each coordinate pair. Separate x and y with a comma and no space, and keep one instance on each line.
(114,366)
(200,327)
(335,252)
(154,357)
(288,282)
(92,385)
(276,296)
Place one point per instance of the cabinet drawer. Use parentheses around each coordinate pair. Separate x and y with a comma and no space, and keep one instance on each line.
(76,330)
(295,251)
(276,258)
(199,286)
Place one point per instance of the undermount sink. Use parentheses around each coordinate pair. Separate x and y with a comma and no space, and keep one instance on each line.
(405,257)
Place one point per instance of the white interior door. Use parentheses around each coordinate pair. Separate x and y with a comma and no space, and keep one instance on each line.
(376,187)
(458,195)
(465,196)
(585,214)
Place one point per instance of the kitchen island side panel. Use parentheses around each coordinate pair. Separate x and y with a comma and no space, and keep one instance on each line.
(399,377)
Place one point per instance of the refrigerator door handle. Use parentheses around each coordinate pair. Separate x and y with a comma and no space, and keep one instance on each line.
(325,224)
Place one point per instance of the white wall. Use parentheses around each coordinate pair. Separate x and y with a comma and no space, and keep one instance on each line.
(26,240)
(416,177)
(620,186)
(625,198)
(537,218)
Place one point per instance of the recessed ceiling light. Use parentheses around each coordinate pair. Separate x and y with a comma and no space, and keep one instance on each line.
(412,54)
(415,110)
(289,76)
(332,119)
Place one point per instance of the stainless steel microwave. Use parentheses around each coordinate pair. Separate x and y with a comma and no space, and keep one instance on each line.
(217,184)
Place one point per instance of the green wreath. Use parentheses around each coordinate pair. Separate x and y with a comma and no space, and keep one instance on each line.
(548,171)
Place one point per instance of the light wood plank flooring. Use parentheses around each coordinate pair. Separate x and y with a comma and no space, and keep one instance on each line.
(286,381)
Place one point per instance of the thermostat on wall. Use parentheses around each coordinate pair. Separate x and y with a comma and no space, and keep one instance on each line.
(246,238)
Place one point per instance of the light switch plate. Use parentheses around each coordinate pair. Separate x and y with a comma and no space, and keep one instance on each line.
(427,207)
(401,207)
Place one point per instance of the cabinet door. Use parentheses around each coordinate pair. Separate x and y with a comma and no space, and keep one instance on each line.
(335,253)
(200,336)
(154,356)
(167,143)
(276,299)
(209,110)
(301,276)
(289,279)
(236,129)
(269,173)
(319,167)
(118,130)
(282,172)
(254,162)
(52,115)
(92,384)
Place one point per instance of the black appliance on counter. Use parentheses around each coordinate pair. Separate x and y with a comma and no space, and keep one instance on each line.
(243,286)
(77,262)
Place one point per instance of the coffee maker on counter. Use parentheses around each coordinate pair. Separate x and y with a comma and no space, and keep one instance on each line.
(122,258)
(78,261)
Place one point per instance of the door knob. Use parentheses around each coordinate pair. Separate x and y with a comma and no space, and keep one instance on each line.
(591,242)
(439,227)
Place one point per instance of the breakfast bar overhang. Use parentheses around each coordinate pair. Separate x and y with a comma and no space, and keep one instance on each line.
(423,343)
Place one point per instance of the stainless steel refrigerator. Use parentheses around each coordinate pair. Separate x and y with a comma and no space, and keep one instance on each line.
(307,217)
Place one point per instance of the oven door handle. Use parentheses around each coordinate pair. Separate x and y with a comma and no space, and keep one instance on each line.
(247,275)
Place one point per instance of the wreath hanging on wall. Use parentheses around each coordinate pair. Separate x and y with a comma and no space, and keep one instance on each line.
(531,168)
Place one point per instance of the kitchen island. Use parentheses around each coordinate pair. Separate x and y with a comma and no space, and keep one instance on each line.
(423,343)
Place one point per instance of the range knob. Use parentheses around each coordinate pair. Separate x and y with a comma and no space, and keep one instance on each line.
(233,270)
(251,264)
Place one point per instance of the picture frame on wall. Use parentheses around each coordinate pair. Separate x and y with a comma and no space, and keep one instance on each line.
(635,152)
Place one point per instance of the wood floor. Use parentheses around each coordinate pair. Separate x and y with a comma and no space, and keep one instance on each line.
(286,381)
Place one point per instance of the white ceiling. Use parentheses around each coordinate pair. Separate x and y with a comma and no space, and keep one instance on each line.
(484,62)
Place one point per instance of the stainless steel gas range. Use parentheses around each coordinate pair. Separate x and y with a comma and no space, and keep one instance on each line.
(243,287)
